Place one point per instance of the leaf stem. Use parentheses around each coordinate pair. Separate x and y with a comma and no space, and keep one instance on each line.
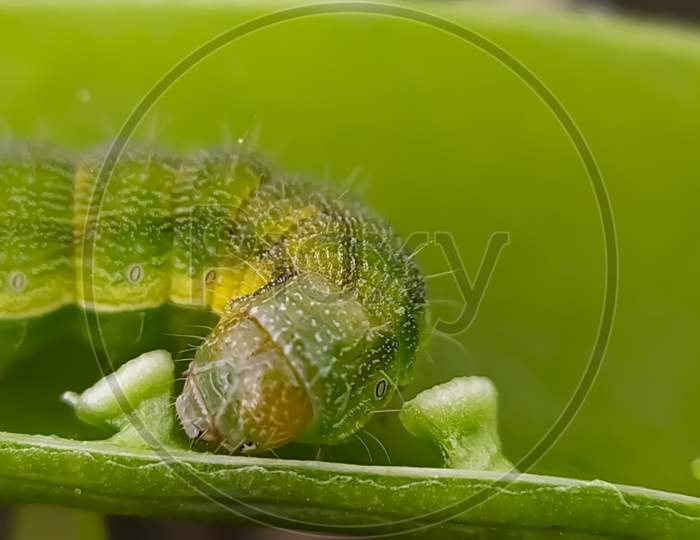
(348,499)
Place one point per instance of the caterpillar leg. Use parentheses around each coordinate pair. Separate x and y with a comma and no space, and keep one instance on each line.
(320,453)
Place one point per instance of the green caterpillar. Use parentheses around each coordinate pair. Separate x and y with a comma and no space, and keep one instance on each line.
(321,311)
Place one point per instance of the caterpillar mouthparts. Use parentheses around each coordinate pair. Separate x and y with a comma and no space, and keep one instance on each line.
(320,309)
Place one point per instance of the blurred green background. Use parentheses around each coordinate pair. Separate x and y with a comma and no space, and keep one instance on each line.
(437,136)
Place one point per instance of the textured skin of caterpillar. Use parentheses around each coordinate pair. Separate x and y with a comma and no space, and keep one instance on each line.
(320,310)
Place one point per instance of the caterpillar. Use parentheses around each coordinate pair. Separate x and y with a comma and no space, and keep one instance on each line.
(320,310)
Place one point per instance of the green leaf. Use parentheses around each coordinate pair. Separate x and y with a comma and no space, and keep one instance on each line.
(469,150)
(445,139)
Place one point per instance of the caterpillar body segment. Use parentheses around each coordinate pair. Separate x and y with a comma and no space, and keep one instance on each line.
(320,311)
(36,235)
(124,242)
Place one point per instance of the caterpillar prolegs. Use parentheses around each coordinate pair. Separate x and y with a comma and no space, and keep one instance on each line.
(320,310)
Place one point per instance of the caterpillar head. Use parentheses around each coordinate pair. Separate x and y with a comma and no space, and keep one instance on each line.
(241,392)
(297,361)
